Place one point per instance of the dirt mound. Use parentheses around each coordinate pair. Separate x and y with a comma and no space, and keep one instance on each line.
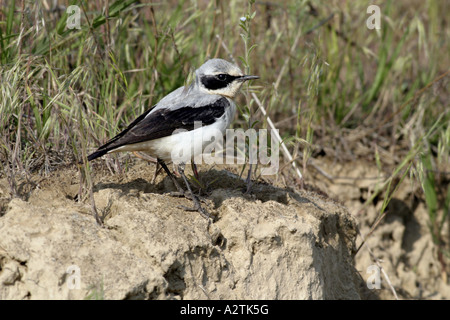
(271,244)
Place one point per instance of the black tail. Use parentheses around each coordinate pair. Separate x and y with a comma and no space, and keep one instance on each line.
(97,154)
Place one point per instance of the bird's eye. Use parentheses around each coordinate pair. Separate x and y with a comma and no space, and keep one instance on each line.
(222,77)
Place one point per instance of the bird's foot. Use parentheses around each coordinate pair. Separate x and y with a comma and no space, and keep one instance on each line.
(197,207)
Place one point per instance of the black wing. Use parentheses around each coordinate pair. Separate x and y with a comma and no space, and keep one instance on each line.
(162,123)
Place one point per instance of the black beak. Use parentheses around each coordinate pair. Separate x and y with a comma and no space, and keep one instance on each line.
(247,77)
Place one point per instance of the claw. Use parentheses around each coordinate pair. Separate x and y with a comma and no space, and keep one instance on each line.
(182,193)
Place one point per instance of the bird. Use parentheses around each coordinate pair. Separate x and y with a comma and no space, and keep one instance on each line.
(171,125)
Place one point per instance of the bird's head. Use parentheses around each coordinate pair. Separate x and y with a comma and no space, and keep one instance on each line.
(217,76)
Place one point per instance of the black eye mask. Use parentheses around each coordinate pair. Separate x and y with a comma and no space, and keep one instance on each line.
(218,81)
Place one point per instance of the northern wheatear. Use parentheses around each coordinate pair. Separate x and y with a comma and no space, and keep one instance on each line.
(169,125)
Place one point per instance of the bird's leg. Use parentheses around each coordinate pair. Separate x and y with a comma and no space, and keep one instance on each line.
(175,182)
(248,181)
(194,169)
(157,170)
(197,206)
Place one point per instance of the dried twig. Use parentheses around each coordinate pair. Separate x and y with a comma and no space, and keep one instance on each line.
(277,136)
(372,229)
(377,262)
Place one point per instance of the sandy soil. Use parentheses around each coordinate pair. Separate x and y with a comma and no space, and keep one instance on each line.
(401,244)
